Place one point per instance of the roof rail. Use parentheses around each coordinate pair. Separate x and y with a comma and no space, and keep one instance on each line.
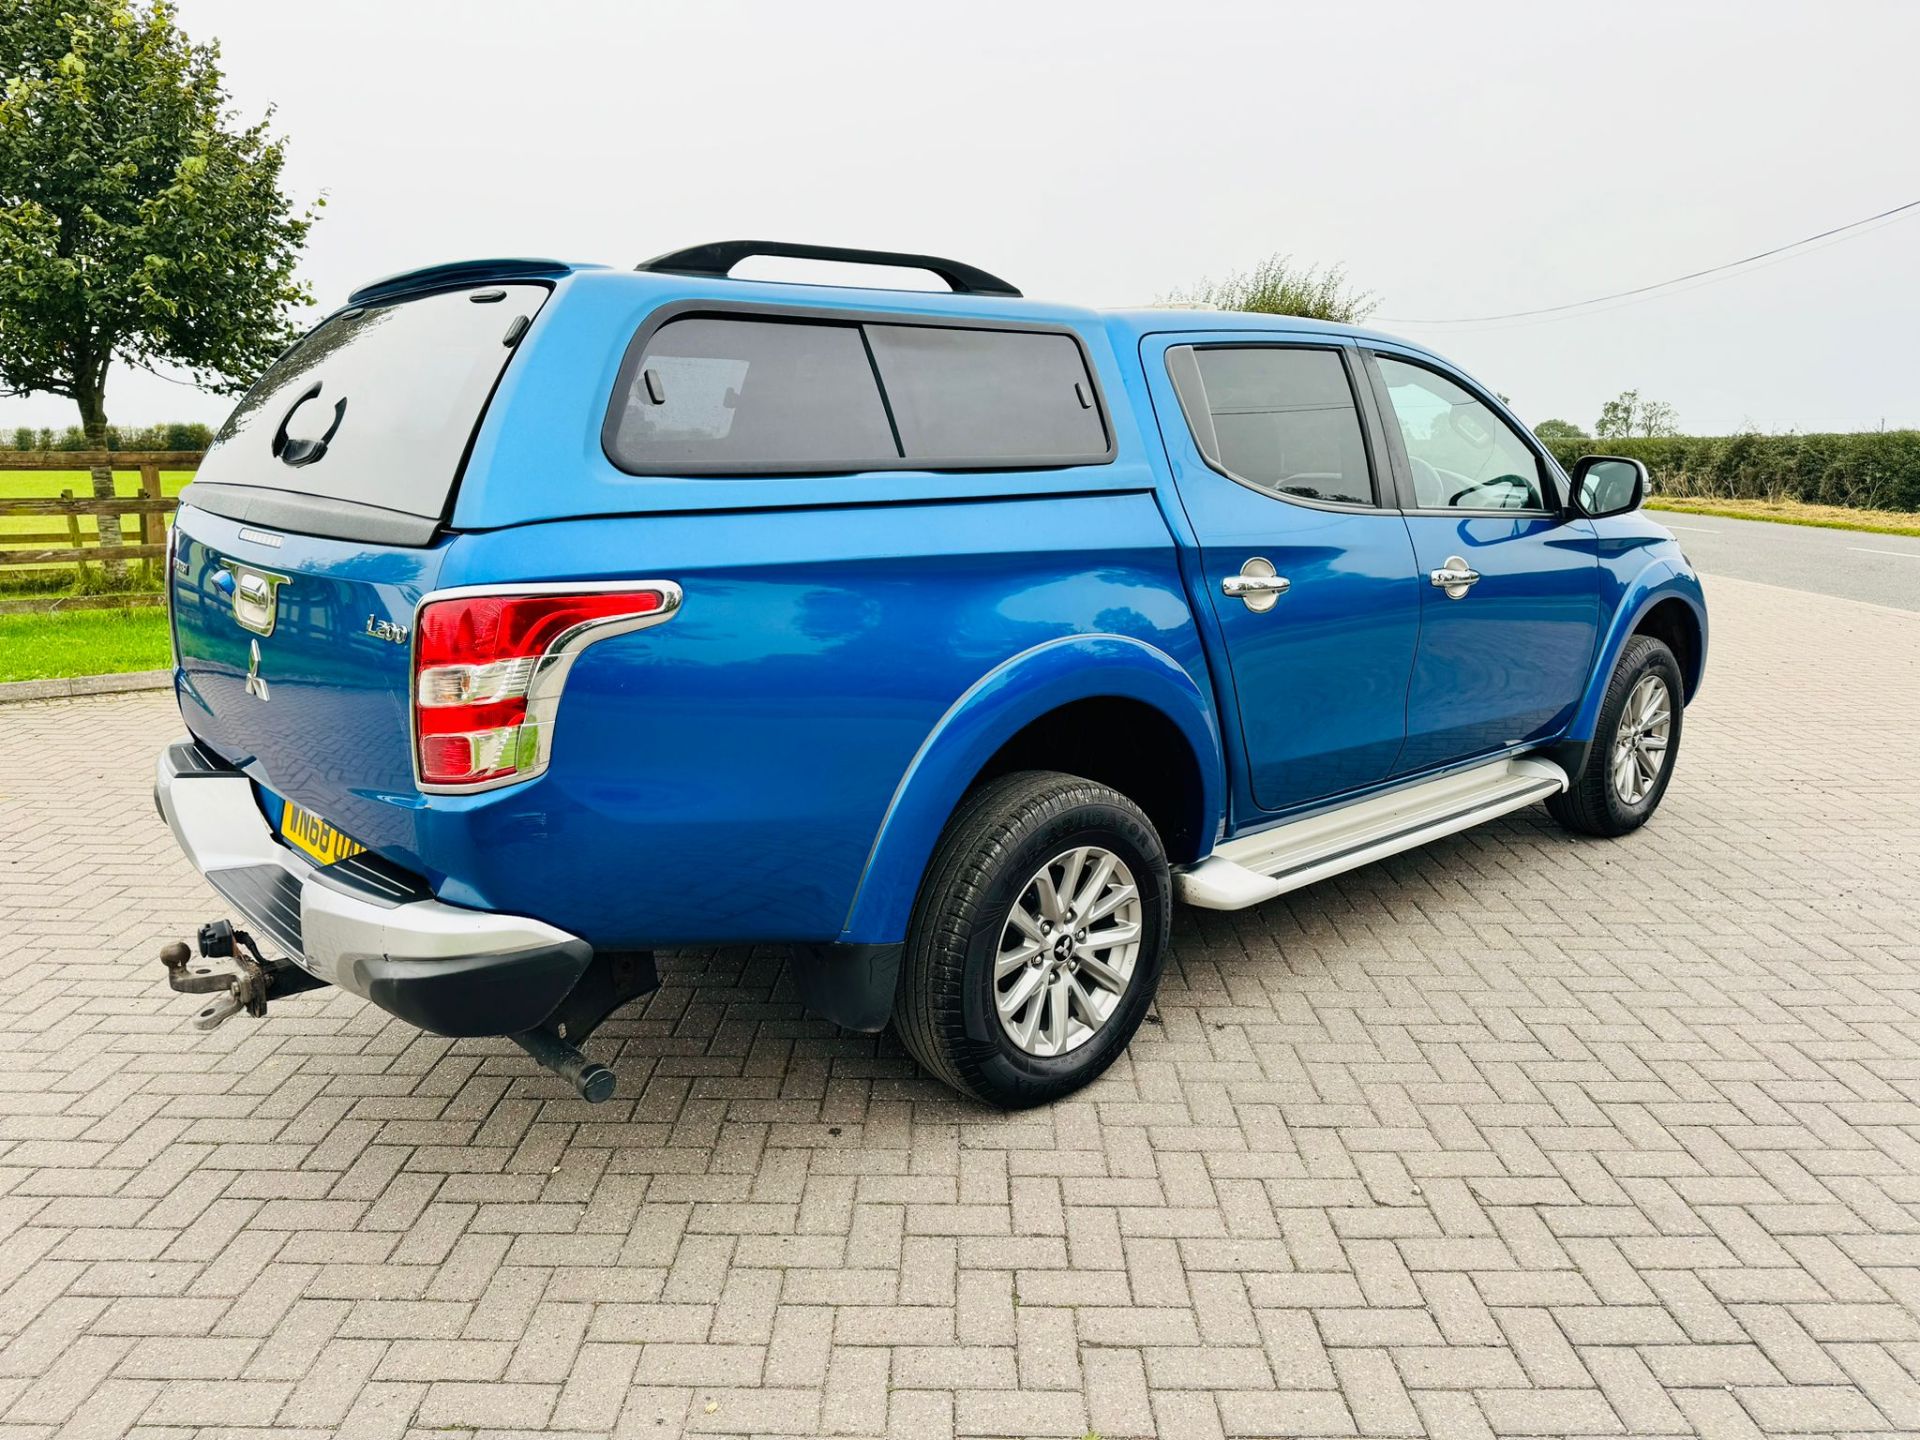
(720,256)
(458,272)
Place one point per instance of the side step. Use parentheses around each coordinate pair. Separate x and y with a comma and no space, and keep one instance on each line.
(1271,862)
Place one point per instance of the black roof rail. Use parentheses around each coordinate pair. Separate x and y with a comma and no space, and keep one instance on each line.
(458,272)
(720,256)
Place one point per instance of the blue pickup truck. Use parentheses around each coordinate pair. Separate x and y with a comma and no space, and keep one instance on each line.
(531,616)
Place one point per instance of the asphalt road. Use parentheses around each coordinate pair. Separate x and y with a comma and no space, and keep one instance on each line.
(1849,564)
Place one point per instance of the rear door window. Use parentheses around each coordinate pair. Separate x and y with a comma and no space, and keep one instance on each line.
(377,405)
(1279,418)
(751,395)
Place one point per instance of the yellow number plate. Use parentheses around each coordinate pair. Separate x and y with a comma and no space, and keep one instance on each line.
(307,832)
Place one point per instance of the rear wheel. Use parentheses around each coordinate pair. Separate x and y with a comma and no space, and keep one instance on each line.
(1635,744)
(1037,940)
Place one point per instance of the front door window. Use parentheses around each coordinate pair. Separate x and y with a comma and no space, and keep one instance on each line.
(1463,455)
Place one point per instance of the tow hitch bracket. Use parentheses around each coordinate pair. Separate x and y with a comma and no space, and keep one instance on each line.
(612,979)
(232,969)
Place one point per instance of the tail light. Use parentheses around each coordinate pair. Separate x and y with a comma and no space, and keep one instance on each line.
(489,665)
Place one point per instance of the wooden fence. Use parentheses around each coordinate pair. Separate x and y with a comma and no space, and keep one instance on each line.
(66,543)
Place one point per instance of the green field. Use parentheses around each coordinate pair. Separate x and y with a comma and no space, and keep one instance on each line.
(24,531)
(82,642)
(79,642)
(35,484)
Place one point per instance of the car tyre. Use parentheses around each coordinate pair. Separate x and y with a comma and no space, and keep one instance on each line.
(1638,732)
(1006,992)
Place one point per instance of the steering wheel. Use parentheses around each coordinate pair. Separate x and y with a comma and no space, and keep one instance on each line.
(1510,481)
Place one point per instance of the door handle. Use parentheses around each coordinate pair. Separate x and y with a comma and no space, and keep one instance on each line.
(1454,577)
(1256,585)
(1243,585)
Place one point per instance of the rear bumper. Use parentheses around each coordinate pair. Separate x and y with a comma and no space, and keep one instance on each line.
(446,969)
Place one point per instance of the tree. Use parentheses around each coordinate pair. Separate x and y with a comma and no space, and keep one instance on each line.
(1551,430)
(138,221)
(1627,414)
(1277,286)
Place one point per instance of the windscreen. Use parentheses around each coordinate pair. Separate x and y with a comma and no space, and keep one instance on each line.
(377,405)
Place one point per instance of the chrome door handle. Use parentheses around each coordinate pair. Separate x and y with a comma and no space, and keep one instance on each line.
(1454,577)
(1256,584)
(1241,585)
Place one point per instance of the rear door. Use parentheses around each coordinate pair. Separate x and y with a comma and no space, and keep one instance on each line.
(311,531)
(1505,648)
(1310,575)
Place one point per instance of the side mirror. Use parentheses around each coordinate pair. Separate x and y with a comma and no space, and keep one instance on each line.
(1606,485)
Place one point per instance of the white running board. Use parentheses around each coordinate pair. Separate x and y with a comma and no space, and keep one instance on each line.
(1271,862)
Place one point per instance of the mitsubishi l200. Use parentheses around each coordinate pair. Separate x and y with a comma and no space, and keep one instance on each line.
(528,617)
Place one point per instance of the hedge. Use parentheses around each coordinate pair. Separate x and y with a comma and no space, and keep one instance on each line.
(1871,469)
(180,435)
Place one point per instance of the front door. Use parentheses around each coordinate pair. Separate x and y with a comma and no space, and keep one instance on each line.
(1310,575)
(1510,583)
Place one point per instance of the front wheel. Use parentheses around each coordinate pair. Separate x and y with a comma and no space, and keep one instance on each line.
(1634,747)
(1037,940)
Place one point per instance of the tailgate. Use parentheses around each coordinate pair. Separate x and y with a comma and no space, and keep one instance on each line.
(312,701)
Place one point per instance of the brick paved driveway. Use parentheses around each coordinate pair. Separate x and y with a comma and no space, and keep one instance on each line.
(1516,1134)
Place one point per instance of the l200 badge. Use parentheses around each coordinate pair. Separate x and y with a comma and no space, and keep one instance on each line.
(390,631)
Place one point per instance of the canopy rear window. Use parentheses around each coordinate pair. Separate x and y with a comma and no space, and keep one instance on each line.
(737,394)
(376,406)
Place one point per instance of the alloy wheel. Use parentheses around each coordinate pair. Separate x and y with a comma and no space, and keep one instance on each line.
(1640,740)
(1067,951)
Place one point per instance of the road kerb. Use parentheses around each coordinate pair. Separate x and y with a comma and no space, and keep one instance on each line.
(68,686)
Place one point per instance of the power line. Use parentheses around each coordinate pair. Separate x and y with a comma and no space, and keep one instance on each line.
(1720,277)
(1661,284)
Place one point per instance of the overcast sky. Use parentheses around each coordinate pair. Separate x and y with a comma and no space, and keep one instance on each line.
(1460,159)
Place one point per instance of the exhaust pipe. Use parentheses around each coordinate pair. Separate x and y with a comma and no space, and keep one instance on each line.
(593,1080)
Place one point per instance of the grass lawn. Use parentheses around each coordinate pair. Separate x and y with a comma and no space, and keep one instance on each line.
(1795,512)
(82,642)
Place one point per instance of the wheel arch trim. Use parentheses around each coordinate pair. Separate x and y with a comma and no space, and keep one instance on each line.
(995,708)
(1654,585)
